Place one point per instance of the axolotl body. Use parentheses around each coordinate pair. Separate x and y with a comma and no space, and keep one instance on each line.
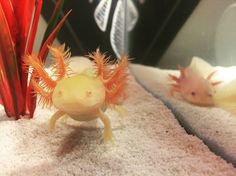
(84,96)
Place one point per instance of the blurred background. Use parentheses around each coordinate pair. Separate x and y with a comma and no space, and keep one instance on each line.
(162,33)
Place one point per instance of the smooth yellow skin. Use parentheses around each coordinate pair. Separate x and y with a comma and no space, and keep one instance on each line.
(82,98)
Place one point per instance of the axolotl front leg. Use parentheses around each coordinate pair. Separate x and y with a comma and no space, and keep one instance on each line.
(57,115)
(81,97)
(107,133)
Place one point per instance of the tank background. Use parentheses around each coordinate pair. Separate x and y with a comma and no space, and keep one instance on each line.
(158,23)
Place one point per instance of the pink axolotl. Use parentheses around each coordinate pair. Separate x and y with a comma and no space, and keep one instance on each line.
(193,87)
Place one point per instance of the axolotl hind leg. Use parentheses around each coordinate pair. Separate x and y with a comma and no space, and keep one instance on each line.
(54,119)
(107,133)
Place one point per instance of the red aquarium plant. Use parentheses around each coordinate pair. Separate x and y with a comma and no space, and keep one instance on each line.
(18,26)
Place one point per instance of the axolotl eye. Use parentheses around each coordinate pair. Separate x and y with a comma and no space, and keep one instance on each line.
(59,93)
(209,95)
(193,93)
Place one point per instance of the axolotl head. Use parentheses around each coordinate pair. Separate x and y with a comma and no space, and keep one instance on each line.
(196,90)
(79,96)
(193,87)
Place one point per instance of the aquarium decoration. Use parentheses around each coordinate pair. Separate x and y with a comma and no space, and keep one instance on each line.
(124,19)
(84,96)
(19,22)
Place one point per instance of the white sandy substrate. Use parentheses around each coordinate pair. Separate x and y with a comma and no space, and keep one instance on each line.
(149,141)
(216,127)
